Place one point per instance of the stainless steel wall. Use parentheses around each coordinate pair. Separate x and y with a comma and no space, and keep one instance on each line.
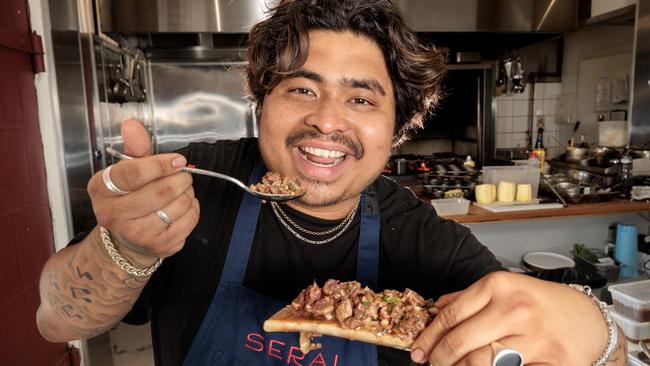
(73,109)
(640,117)
(202,101)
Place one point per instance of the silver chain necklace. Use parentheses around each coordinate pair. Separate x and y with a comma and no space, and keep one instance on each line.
(343,226)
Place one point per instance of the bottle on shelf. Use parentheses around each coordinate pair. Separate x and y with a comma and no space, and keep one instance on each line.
(469,163)
(625,177)
(539,151)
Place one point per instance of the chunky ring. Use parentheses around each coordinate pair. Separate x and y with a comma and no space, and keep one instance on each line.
(106,177)
(503,356)
(164,217)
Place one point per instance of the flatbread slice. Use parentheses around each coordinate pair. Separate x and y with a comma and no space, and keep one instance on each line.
(287,320)
(346,310)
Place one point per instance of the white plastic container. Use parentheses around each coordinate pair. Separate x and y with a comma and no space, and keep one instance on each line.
(632,300)
(633,330)
(520,174)
(451,206)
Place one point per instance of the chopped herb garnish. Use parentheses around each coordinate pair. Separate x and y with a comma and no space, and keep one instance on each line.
(392,299)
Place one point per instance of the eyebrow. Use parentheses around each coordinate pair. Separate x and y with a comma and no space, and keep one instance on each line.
(302,73)
(370,84)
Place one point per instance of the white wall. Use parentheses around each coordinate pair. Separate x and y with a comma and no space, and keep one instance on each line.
(514,118)
(588,54)
(599,7)
(510,240)
(48,116)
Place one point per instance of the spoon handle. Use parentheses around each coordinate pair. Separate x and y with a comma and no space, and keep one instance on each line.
(214,175)
(187,169)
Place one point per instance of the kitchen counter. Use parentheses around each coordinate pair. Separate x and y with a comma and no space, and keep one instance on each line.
(479,215)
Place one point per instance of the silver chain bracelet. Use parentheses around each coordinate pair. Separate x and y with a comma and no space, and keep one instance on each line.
(122,262)
(612,330)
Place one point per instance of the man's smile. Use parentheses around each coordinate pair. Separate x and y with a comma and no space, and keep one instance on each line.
(322,157)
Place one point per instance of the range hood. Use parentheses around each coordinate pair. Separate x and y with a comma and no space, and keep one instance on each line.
(236,16)
(519,16)
(181,16)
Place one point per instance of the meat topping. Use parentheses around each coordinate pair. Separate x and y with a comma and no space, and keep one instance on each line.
(276,184)
(404,315)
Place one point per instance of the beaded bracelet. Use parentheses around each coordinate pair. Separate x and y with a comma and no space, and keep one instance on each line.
(612,336)
(122,262)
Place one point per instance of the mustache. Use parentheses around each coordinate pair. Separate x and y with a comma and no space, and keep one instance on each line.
(336,137)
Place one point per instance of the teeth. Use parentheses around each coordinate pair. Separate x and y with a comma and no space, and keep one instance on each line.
(336,162)
(323,153)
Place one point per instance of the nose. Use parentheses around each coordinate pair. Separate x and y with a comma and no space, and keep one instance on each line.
(328,116)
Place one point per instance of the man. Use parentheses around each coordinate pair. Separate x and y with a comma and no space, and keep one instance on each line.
(337,83)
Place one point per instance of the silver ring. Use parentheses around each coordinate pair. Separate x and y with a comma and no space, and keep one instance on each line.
(106,177)
(164,217)
(505,356)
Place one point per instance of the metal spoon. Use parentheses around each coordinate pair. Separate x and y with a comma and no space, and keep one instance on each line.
(264,196)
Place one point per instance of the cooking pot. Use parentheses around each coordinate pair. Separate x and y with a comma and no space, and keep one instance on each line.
(640,154)
(577,153)
(603,154)
(401,165)
(586,178)
(568,189)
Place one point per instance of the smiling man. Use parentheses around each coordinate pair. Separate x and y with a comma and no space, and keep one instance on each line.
(331,122)
(337,84)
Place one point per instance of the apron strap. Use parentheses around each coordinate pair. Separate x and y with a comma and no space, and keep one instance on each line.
(234,269)
(368,255)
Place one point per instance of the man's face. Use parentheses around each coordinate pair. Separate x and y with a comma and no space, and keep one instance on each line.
(331,123)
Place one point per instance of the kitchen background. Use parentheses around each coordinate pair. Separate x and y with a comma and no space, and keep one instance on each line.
(176,65)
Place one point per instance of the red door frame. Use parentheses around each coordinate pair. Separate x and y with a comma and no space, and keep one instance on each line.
(26,238)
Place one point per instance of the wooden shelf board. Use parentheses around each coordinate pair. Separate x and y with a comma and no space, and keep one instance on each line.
(479,215)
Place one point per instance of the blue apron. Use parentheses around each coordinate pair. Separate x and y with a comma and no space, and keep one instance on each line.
(231,333)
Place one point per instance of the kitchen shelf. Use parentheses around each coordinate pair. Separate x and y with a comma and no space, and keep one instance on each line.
(479,215)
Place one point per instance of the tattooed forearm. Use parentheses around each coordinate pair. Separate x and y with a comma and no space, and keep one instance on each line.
(83,292)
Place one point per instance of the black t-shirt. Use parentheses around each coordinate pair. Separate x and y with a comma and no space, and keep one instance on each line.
(418,250)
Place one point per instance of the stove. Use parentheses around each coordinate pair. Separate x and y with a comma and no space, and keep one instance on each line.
(437,174)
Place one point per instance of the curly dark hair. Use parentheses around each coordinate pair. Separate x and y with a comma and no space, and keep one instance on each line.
(278,46)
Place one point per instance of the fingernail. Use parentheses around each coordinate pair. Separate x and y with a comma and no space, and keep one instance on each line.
(179,162)
(417,355)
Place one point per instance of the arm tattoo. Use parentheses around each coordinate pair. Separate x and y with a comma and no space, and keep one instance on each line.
(69,311)
(97,292)
(54,284)
(80,293)
(85,274)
